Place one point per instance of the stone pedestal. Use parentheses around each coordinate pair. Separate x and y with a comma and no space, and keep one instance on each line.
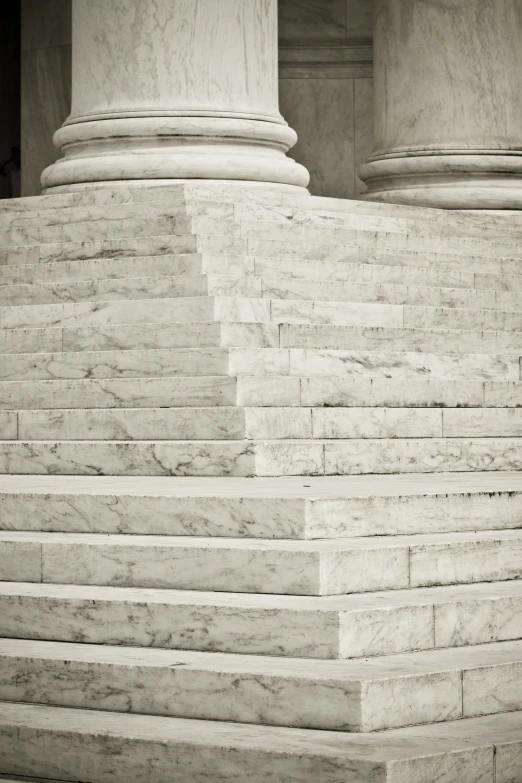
(174,90)
(448,107)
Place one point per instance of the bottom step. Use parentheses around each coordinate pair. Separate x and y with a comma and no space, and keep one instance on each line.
(100,747)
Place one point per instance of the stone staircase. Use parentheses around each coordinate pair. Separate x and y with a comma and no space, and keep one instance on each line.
(260,502)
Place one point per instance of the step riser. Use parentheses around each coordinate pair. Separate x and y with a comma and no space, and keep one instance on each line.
(62,615)
(397,294)
(295,701)
(182,309)
(336,392)
(233,423)
(114,267)
(134,227)
(240,309)
(141,287)
(290,270)
(246,517)
(421,256)
(83,232)
(118,248)
(379,339)
(252,362)
(251,458)
(114,364)
(101,269)
(379,240)
(156,285)
(263,569)
(113,213)
(186,335)
(119,393)
(224,570)
(167,458)
(253,423)
(374,364)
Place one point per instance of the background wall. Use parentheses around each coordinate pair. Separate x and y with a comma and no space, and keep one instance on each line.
(46,84)
(9,87)
(326,89)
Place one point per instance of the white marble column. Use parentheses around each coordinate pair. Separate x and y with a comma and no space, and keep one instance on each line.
(174,90)
(448,104)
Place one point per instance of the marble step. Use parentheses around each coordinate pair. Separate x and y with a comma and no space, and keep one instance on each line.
(110,268)
(323,507)
(320,567)
(297,269)
(288,248)
(255,392)
(347,696)
(199,198)
(420,340)
(190,193)
(267,268)
(115,212)
(287,457)
(345,214)
(267,363)
(390,293)
(334,391)
(152,336)
(126,247)
(167,310)
(327,216)
(133,226)
(154,287)
(359,625)
(351,696)
(198,392)
(335,252)
(383,364)
(318,290)
(359,234)
(435,241)
(71,365)
(257,335)
(235,422)
(298,311)
(242,309)
(73,744)
(256,423)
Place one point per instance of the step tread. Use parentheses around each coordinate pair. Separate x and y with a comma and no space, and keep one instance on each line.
(355,602)
(401,665)
(307,488)
(262,544)
(394,745)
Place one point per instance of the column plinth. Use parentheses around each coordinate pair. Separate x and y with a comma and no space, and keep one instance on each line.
(173,90)
(448,114)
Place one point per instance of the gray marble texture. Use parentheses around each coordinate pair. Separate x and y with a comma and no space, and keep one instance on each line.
(114,364)
(75,748)
(342,626)
(321,507)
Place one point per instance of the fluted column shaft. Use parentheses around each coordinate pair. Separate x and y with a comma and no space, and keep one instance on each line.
(174,90)
(448,107)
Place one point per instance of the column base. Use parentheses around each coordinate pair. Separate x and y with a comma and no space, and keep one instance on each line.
(173,149)
(446,180)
